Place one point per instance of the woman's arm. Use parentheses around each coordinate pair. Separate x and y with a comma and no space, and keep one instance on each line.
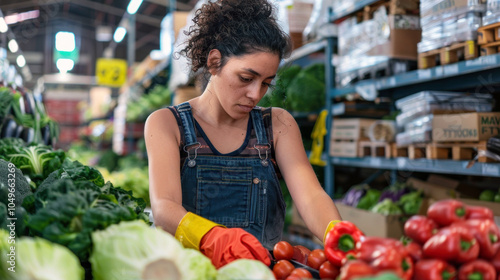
(162,138)
(314,204)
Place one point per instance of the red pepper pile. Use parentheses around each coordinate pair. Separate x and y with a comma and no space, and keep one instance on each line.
(453,241)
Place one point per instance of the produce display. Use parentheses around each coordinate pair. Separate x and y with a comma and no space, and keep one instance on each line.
(23,116)
(396,199)
(452,241)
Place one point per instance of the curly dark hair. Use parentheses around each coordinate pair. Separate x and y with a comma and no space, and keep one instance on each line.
(234,27)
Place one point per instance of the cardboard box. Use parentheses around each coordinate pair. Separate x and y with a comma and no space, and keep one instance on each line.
(465,127)
(344,149)
(350,129)
(373,224)
(402,44)
(435,191)
(494,206)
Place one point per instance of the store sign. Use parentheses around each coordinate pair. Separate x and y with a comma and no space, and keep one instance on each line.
(111,72)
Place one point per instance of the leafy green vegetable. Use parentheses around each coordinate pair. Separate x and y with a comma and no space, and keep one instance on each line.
(38,161)
(245,269)
(370,198)
(410,203)
(284,77)
(387,207)
(487,195)
(316,70)
(114,256)
(68,211)
(6,100)
(10,146)
(109,160)
(306,93)
(39,259)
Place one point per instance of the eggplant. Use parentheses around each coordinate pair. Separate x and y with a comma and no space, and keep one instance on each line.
(19,131)
(9,128)
(29,104)
(354,194)
(394,192)
(46,137)
(28,135)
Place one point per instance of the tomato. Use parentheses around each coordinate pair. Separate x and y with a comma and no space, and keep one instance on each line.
(299,273)
(316,258)
(328,271)
(283,251)
(282,269)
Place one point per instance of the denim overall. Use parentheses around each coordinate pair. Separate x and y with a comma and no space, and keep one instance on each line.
(232,190)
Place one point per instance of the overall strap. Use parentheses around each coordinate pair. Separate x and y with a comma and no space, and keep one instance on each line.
(262,145)
(187,121)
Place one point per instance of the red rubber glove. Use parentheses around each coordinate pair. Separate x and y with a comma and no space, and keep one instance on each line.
(224,245)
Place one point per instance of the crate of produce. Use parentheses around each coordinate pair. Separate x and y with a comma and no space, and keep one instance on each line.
(350,129)
(344,148)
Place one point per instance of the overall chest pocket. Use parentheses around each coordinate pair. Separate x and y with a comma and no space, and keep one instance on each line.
(224,195)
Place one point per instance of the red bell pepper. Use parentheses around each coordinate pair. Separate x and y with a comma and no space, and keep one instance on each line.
(477,270)
(420,228)
(386,254)
(413,249)
(479,212)
(495,261)
(486,233)
(434,269)
(341,241)
(353,269)
(447,211)
(456,244)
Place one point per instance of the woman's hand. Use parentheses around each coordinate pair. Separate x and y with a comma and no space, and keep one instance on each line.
(224,245)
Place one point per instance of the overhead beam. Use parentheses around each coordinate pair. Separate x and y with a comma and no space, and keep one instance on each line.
(87,4)
(165,3)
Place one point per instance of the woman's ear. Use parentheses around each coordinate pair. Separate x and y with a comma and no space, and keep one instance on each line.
(214,61)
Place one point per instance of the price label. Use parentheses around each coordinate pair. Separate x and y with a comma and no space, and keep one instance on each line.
(111,72)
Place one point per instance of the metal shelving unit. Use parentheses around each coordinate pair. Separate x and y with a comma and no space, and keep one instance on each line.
(479,74)
(350,8)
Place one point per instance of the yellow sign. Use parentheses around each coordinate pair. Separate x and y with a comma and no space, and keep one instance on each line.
(111,72)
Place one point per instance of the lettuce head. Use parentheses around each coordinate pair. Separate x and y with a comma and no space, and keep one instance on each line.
(132,250)
(245,269)
(38,259)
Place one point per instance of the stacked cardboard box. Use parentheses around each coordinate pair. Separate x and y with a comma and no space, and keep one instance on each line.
(346,134)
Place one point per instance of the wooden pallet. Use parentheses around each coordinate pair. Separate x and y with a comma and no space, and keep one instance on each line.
(374,149)
(394,7)
(453,151)
(488,34)
(451,54)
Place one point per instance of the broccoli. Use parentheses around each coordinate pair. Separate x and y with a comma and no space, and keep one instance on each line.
(12,178)
(7,177)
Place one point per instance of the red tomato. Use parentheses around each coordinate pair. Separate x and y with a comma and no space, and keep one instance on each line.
(282,269)
(283,251)
(299,273)
(316,258)
(328,271)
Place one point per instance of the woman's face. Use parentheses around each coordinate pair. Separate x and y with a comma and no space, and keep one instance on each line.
(242,82)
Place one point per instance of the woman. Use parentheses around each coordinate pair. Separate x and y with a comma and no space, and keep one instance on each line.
(214,161)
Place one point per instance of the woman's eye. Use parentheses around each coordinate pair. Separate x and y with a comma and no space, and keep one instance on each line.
(246,80)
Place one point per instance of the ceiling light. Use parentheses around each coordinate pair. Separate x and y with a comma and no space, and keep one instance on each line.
(64,65)
(13,46)
(65,41)
(3,25)
(133,6)
(120,33)
(21,61)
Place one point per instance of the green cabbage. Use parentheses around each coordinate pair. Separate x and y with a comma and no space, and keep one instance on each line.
(158,255)
(38,259)
(245,269)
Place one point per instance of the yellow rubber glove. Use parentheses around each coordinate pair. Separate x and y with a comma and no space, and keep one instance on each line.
(329,227)
(191,230)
